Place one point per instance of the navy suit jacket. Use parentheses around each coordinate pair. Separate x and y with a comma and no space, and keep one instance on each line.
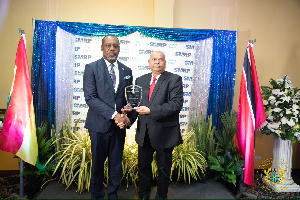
(100,95)
(165,104)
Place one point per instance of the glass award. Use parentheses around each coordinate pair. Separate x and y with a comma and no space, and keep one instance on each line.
(133,94)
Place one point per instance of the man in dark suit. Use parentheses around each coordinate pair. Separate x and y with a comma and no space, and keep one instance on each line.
(158,126)
(104,83)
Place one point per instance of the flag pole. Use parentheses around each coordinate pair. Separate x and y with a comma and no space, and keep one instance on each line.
(21,194)
(25,147)
(242,190)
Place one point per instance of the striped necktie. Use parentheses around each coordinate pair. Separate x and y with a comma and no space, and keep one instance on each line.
(112,74)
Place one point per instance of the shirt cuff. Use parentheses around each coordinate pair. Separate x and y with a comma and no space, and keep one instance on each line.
(113,116)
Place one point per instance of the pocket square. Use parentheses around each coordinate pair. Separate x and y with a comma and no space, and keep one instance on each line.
(127,77)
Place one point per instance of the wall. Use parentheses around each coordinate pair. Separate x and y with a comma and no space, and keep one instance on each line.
(276,27)
(273,23)
(20,14)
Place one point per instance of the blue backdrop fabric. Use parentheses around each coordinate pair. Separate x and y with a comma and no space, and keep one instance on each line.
(223,67)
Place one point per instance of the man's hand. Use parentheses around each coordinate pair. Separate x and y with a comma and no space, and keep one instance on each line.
(127,109)
(142,110)
(122,120)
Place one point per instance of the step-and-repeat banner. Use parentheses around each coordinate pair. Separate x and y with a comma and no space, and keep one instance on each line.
(135,50)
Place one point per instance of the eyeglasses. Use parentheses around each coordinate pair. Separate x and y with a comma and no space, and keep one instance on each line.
(157,59)
(108,46)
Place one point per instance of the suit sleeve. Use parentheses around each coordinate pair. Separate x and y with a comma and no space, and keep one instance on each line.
(174,103)
(91,94)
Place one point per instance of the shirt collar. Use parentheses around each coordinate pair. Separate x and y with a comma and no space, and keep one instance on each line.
(108,64)
(156,77)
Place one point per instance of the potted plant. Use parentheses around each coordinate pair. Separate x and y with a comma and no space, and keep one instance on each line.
(281,102)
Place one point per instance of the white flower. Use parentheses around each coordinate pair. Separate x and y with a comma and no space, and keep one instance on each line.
(275,125)
(287,111)
(270,118)
(282,109)
(276,91)
(263,124)
(277,110)
(295,107)
(286,98)
(270,127)
(295,100)
(288,83)
(284,120)
(291,123)
(297,135)
(272,99)
(279,81)
(295,119)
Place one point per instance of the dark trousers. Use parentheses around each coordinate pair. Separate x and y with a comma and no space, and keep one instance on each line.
(164,164)
(111,145)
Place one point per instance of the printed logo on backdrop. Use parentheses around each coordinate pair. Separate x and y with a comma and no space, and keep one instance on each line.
(135,51)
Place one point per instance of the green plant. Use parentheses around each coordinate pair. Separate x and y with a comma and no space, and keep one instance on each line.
(225,138)
(45,151)
(227,163)
(39,174)
(130,163)
(187,161)
(74,158)
(205,136)
(227,166)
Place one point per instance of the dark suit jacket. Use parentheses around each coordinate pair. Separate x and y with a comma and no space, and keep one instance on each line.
(165,104)
(100,95)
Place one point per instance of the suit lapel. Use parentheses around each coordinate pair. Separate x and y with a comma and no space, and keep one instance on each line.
(121,77)
(158,85)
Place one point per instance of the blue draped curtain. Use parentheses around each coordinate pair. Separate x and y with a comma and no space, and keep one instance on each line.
(43,61)
(222,78)
(43,72)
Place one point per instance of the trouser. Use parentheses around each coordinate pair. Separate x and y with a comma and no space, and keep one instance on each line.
(111,145)
(164,164)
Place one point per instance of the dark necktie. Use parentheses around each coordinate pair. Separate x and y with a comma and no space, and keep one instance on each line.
(112,74)
(152,86)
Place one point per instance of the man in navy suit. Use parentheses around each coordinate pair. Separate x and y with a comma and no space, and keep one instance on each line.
(104,83)
(158,126)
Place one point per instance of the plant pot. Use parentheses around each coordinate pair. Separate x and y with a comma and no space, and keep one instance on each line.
(282,165)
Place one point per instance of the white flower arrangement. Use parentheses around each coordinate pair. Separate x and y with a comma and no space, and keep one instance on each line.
(281,102)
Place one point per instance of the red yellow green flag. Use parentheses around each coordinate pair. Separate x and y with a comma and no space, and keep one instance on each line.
(18,135)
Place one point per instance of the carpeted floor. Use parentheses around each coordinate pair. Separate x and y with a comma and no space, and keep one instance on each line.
(10,184)
(263,192)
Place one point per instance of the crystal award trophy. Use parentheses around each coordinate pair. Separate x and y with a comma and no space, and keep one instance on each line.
(133,94)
